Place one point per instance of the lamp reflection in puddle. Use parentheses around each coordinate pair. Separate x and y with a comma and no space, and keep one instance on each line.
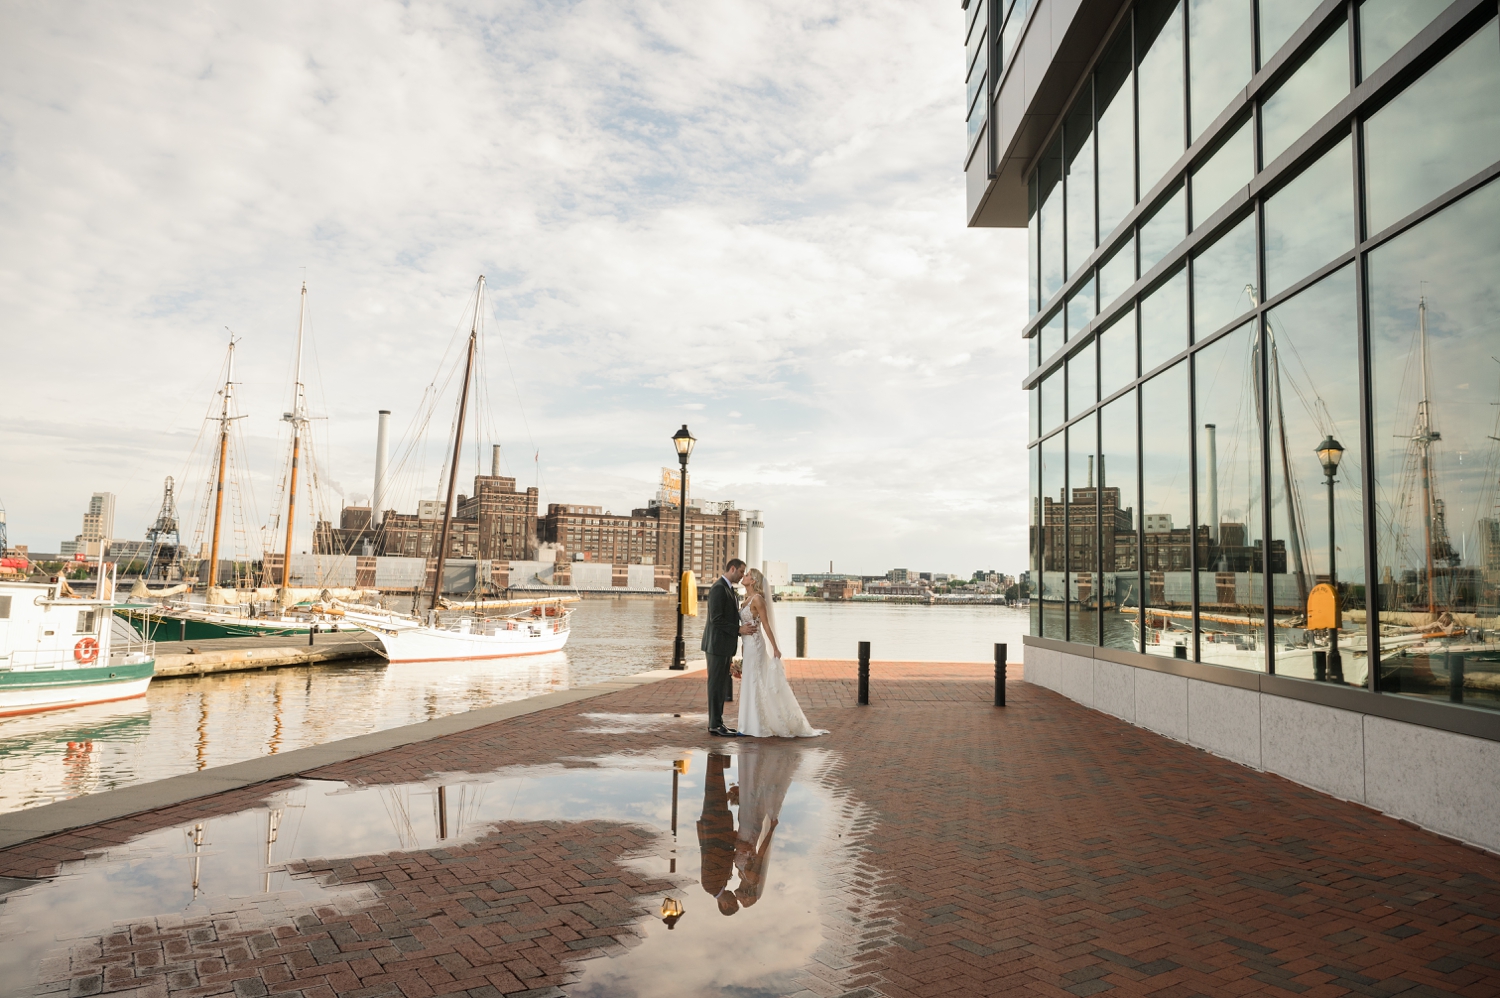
(679,767)
(671,911)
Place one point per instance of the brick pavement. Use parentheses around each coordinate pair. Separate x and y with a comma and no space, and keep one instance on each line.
(1045,849)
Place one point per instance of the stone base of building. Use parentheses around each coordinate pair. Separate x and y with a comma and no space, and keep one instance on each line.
(1341,741)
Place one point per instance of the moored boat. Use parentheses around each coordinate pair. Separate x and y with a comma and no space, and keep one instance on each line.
(58,651)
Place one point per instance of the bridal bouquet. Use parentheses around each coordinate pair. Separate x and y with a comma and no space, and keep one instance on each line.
(737,668)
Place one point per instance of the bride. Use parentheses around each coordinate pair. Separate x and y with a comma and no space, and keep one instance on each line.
(768,708)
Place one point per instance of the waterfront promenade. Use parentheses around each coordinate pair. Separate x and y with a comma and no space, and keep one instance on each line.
(932,844)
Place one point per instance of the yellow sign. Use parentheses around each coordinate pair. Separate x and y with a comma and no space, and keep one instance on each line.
(1322,608)
(671,486)
(688,594)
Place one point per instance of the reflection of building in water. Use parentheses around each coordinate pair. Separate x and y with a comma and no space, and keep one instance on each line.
(1261,254)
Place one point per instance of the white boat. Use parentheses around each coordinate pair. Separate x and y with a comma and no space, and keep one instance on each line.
(536,632)
(58,650)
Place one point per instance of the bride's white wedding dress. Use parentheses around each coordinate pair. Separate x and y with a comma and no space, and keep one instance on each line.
(768,708)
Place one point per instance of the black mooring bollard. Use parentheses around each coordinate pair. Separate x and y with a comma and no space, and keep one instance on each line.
(999,675)
(864,673)
(1320,666)
(311,630)
(801,637)
(1455,678)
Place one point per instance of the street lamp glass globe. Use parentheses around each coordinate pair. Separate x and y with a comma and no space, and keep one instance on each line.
(683,441)
(1330,452)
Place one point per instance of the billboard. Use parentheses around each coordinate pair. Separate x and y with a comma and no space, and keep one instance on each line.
(670,492)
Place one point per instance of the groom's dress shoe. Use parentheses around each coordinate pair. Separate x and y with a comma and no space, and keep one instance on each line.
(720,732)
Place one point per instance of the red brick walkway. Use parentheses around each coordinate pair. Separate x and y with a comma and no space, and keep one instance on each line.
(1043,849)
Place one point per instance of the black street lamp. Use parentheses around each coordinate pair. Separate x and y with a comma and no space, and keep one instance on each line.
(1330,452)
(683,441)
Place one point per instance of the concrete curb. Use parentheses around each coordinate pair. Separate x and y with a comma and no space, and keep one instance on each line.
(49,819)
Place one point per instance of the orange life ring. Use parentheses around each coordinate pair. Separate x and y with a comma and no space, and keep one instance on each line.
(86,650)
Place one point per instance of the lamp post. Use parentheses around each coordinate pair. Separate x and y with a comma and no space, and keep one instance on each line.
(683,441)
(1330,452)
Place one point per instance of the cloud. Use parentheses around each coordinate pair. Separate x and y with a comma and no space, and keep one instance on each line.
(730,208)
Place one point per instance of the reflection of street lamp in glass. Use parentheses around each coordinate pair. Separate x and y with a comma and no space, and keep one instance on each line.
(683,441)
(1330,452)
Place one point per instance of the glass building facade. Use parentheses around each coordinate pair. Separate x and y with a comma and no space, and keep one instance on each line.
(1264,283)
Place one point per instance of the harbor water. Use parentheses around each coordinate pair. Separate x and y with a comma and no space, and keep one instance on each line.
(184,725)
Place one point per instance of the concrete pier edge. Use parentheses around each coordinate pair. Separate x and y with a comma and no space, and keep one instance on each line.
(25,825)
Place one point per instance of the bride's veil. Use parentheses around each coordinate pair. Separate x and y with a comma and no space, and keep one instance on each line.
(765,592)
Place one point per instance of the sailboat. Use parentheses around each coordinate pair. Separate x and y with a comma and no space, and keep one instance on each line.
(263,612)
(539,627)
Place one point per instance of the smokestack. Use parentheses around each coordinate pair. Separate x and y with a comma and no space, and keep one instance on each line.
(1091,471)
(494,460)
(382,457)
(1213,482)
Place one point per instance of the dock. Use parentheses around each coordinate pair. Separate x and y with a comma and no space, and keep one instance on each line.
(180,659)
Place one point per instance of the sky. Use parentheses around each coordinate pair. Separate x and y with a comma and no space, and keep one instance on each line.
(745,217)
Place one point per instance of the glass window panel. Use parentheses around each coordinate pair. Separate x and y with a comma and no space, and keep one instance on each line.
(1231,584)
(1310,220)
(1053,412)
(976,83)
(1032,263)
(1439,536)
(1166,511)
(1012,31)
(1034,456)
(1159,43)
(1078,141)
(976,121)
(1218,56)
(1443,129)
(1278,20)
(1117,273)
(1053,581)
(1081,308)
(1034,349)
(1164,325)
(1117,355)
(1163,230)
(1050,221)
(1120,588)
(1083,381)
(976,38)
(1116,99)
(1317,85)
(1083,533)
(1230,168)
(1223,278)
(1314,343)
(1051,335)
(1034,407)
(1386,25)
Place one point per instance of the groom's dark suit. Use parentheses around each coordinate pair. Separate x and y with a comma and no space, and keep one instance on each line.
(716,829)
(721,639)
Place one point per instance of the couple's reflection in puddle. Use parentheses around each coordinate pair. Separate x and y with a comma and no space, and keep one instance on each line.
(765,774)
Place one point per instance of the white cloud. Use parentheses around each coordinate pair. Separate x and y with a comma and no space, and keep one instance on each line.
(749,209)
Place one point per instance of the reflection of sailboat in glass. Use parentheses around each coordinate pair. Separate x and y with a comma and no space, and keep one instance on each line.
(1431,631)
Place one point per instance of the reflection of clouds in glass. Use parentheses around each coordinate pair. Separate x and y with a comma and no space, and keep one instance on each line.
(1386,25)
(1318,84)
(1164,325)
(1163,230)
(1079,140)
(1220,277)
(1442,129)
(1310,220)
(1165,423)
(1230,168)
(1082,381)
(1278,19)
(1452,259)
(1116,135)
(1050,221)
(1218,54)
(1159,33)
(1117,355)
(1317,343)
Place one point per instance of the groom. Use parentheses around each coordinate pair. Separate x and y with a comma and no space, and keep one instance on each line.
(721,638)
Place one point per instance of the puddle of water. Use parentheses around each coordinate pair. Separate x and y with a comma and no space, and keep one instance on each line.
(760,851)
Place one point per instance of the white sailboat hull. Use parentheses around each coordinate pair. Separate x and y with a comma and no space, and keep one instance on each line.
(406,641)
(14,703)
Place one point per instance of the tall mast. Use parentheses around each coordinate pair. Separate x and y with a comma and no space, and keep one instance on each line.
(224,421)
(1424,438)
(298,418)
(1293,504)
(458,445)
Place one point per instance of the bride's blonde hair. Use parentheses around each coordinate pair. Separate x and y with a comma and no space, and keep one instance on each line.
(760,580)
